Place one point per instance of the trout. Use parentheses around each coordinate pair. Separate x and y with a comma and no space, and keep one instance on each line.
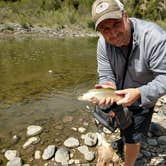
(99,94)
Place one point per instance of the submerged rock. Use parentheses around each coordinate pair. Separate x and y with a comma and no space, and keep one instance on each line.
(33,130)
(15,162)
(49,152)
(71,142)
(62,155)
(32,140)
(11,154)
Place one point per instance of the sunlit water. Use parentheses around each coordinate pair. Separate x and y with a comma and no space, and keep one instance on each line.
(40,79)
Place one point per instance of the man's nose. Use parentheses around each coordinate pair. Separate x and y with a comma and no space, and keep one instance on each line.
(113,32)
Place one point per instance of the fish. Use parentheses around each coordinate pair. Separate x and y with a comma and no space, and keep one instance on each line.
(99,94)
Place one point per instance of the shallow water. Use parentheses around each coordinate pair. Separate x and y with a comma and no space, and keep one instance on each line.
(40,79)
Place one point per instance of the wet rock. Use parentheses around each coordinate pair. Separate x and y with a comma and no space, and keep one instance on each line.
(33,130)
(62,155)
(71,142)
(15,139)
(37,154)
(74,128)
(15,162)
(90,139)
(152,142)
(49,152)
(162,140)
(68,119)
(11,154)
(32,140)
(88,155)
(157,130)
(71,162)
(81,129)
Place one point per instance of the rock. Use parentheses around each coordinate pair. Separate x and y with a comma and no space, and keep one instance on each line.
(15,162)
(15,139)
(81,129)
(157,130)
(68,119)
(77,162)
(26,165)
(37,154)
(62,155)
(48,152)
(1,161)
(162,140)
(146,153)
(33,130)
(71,142)
(11,154)
(89,156)
(71,162)
(74,128)
(90,139)
(32,140)
(152,142)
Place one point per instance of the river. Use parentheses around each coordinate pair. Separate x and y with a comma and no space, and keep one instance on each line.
(40,79)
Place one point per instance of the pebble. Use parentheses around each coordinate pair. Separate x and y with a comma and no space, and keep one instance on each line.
(90,139)
(152,142)
(15,162)
(15,139)
(62,155)
(71,142)
(33,130)
(81,129)
(37,154)
(32,140)
(48,152)
(11,154)
(162,140)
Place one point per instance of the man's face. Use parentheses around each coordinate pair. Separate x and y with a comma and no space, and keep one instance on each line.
(116,31)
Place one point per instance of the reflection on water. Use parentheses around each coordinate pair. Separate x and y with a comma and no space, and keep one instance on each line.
(40,78)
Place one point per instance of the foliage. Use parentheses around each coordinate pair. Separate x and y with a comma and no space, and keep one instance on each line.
(62,12)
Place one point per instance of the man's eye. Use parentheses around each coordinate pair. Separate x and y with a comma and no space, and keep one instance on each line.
(106,29)
(117,24)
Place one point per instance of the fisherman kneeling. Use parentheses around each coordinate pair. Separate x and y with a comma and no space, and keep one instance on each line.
(131,58)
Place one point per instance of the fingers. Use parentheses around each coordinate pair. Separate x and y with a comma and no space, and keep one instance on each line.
(106,101)
(97,86)
(107,84)
(94,100)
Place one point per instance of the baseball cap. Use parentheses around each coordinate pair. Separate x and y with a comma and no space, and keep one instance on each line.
(105,9)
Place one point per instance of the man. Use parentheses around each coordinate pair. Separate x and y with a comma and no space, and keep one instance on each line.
(131,56)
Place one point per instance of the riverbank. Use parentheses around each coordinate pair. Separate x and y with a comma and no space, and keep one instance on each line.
(73,141)
(12,29)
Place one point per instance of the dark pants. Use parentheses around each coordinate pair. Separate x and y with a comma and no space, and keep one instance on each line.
(138,130)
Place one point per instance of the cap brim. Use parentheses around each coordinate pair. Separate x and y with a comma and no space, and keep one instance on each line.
(113,15)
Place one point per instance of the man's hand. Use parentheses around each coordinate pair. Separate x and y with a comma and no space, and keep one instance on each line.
(130,96)
(105,101)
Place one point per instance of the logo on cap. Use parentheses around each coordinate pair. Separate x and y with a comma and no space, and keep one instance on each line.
(101,7)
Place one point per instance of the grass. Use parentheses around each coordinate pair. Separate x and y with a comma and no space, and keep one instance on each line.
(49,13)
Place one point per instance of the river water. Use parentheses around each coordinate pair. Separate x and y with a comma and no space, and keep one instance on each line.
(40,79)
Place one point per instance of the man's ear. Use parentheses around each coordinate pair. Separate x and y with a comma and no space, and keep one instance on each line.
(125,14)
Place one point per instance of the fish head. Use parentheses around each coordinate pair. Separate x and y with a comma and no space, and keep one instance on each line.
(85,97)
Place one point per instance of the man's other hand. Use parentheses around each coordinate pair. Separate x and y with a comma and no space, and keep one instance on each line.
(130,96)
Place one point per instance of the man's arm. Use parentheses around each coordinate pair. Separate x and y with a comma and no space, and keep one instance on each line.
(157,64)
(104,68)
